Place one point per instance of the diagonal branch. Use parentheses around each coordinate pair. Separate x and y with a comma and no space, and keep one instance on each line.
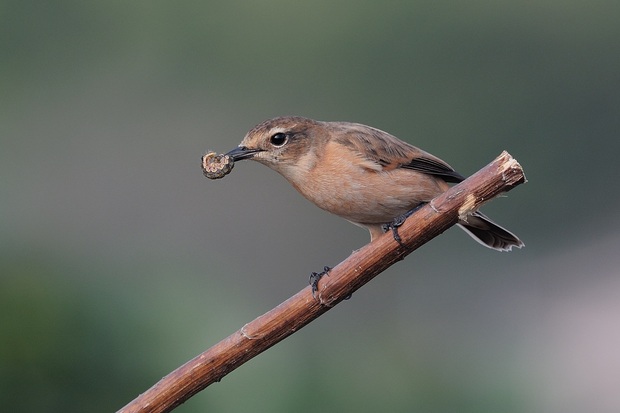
(500,176)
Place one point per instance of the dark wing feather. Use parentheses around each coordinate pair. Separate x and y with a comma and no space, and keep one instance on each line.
(433,167)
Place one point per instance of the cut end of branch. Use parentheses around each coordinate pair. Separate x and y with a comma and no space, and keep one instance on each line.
(512,172)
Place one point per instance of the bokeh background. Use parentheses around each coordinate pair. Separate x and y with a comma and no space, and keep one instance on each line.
(119,261)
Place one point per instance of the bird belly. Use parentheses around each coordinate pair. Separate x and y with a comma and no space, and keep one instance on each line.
(366,196)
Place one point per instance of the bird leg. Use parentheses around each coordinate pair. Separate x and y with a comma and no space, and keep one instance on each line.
(398,221)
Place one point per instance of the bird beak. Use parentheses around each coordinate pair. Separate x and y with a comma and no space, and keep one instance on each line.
(241,152)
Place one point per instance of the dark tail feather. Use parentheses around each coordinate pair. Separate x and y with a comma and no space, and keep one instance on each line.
(489,234)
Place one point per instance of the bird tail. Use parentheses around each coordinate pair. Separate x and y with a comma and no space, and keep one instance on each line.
(489,234)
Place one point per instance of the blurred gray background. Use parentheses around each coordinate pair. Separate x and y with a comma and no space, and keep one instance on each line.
(119,261)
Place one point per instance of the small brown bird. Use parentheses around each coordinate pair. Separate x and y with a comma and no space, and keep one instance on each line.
(360,173)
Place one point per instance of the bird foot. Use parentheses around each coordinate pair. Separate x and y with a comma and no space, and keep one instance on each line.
(315,277)
(398,221)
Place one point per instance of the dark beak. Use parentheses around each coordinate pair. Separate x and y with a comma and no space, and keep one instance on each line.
(241,152)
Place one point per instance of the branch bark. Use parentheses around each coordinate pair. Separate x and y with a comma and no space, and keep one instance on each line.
(501,175)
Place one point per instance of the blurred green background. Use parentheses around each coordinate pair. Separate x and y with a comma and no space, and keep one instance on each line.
(119,261)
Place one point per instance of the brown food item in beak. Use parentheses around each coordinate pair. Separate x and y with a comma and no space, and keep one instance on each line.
(216,166)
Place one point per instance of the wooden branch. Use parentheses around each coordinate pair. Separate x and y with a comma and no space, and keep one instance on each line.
(500,176)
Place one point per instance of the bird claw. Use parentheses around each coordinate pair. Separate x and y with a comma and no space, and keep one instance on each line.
(315,277)
(397,222)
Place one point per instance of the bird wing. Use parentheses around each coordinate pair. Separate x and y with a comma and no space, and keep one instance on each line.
(390,153)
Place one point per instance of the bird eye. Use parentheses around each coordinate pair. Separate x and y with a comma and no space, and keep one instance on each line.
(279,139)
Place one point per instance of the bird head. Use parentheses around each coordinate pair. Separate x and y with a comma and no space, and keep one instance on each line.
(278,143)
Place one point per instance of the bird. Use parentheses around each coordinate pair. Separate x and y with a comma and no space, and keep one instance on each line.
(360,173)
